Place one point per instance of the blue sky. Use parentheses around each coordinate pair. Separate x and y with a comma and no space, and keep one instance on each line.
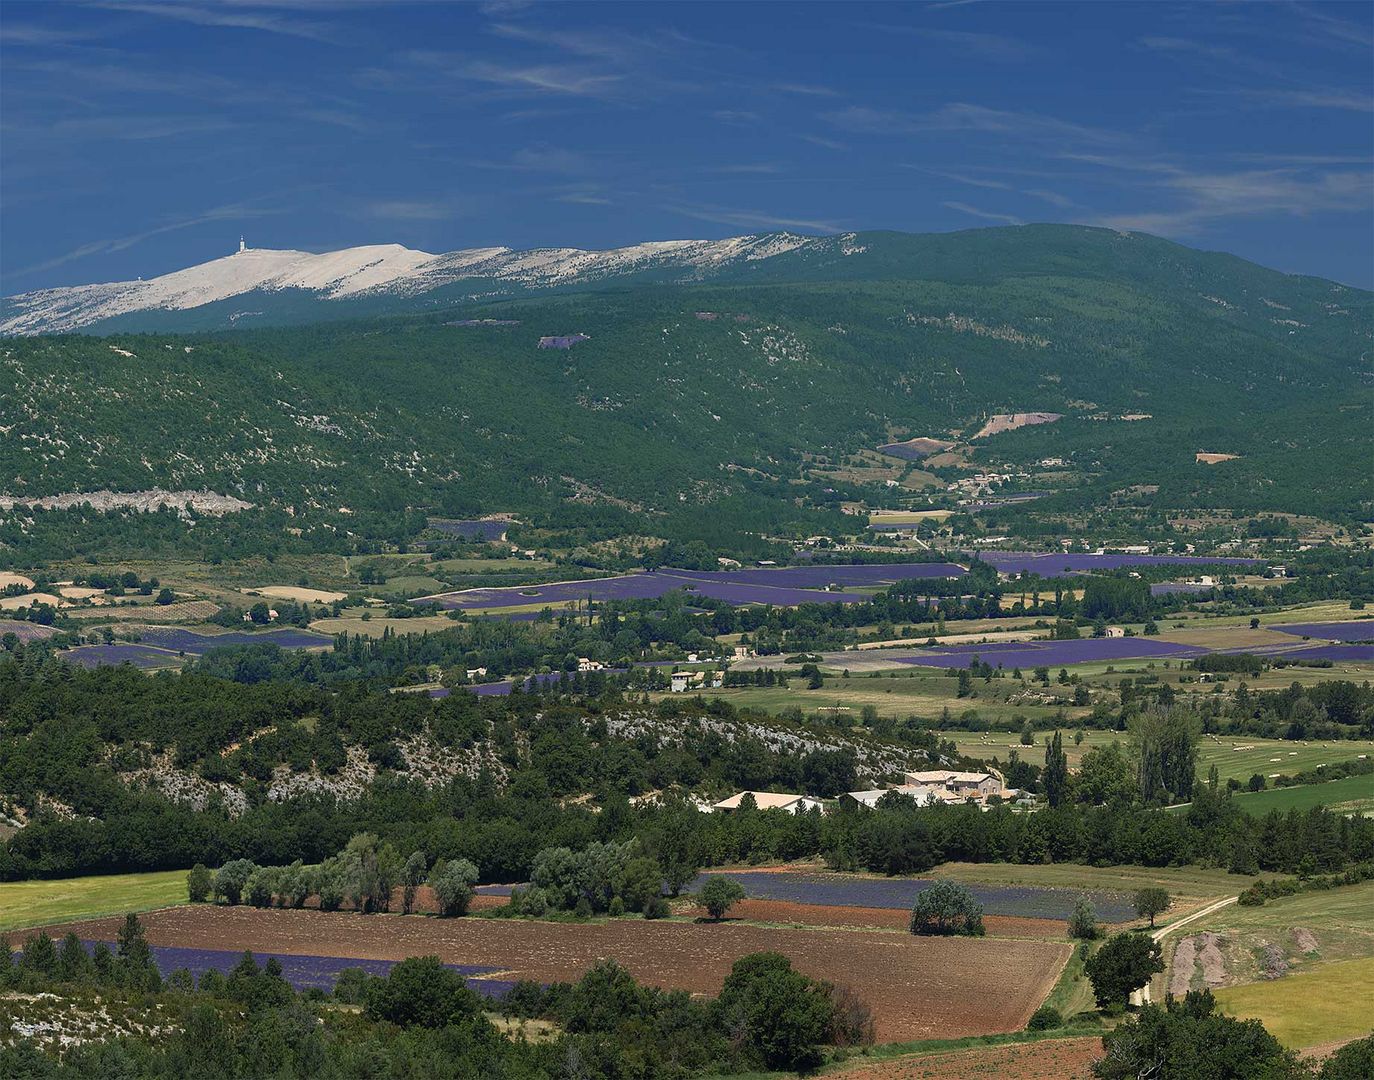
(139,136)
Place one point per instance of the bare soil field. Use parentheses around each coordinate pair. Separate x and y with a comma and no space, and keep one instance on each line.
(918,988)
(1050,1059)
(1000,422)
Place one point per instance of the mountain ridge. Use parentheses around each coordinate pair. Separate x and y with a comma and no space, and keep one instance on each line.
(268,287)
(372,269)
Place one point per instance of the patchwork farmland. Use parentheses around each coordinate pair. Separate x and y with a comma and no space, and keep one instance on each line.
(917,987)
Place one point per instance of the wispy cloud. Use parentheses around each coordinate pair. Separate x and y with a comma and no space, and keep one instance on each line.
(762,168)
(228,212)
(985,215)
(736,117)
(584,198)
(1208,197)
(751,219)
(543,158)
(263,17)
(983,46)
(138,128)
(821,140)
(805,89)
(963,116)
(552,78)
(12,33)
(1346,100)
(410,210)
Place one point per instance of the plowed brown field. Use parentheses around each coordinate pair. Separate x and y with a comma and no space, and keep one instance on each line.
(1053,1059)
(918,988)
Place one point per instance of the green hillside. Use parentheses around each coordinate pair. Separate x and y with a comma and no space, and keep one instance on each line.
(669,423)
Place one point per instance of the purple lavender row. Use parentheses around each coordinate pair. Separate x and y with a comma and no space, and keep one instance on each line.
(900,893)
(302,972)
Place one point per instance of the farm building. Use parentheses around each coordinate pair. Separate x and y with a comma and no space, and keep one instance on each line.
(1116,631)
(679,682)
(585,663)
(770,800)
(922,793)
(979,785)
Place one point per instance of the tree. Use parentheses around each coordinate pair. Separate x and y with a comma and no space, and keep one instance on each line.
(1165,745)
(1189,1040)
(231,879)
(260,613)
(421,992)
(73,962)
(640,881)
(134,967)
(779,1014)
(1027,734)
(718,894)
(1122,965)
(1056,775)
(947,908)
(412,877)
(40,955)
(453,883)
(200,883)
(1150,902)
(1104,776)
(1083,920)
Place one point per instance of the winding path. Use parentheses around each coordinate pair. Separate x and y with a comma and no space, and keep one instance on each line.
(1142,996)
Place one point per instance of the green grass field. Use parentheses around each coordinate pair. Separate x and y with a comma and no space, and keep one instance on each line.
(1327,1003)
(922,694)
(38,903)
(1189,884)
(1234,756)
(1354,794)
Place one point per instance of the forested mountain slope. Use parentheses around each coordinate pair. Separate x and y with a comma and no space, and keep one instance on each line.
(715,395)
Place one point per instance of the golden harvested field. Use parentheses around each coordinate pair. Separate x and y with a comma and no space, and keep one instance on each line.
(297,593)
(376,626)
(918,988)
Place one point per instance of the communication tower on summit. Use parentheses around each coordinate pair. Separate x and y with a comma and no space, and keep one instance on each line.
(241,248)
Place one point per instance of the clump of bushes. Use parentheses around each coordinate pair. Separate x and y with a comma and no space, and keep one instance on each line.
(945,909)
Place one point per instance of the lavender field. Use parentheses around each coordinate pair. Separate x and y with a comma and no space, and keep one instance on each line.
(140,656)
(1335,653)
(1029,654)
(842,890)
(1354,630)
(302,972)
(1055,565)
(789,585)
(785,586)
(26,631)
(167,646)
(189,641)
(472,530)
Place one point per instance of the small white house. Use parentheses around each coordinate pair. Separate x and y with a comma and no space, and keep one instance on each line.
(587,664)
(679,682)
(770,800)
(1116,631)
(922,793)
